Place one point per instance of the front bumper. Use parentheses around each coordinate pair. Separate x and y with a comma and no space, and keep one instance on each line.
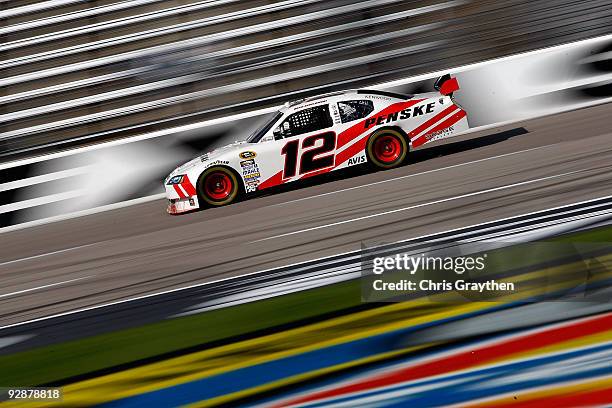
(181,197)
(182,205)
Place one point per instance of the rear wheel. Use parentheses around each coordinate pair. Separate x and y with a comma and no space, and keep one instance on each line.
(386,148)
(218,186)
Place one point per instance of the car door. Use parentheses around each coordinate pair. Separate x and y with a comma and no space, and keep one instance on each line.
(304,144)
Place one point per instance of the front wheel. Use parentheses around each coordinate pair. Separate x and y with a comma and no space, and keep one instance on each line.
(218,186)
(386,148)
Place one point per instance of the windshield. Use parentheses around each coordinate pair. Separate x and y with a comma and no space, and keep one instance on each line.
(267,124)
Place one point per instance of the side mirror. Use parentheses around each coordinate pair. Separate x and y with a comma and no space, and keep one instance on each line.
(277,134)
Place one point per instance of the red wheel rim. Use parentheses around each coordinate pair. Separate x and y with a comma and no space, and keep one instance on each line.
(218,186)
(387,148)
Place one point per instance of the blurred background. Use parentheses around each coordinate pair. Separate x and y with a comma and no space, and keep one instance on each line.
(78,72)
(260,303)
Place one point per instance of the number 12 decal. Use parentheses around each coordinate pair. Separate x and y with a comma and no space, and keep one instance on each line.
(308,162)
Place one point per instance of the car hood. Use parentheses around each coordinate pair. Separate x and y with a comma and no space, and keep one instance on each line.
(206,157)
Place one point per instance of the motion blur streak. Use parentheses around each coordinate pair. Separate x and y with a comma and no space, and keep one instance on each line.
(547,358)
(129,307)
(132,255)
(115,56)
(230,372)
(533,87)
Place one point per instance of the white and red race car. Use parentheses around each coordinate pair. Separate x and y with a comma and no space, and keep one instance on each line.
(317,135)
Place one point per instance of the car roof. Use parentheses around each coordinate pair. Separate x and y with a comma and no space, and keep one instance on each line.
(341,95)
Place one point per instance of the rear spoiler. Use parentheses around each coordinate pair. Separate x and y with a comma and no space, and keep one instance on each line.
(446,85)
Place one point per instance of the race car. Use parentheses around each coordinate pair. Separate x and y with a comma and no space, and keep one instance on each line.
(316,135)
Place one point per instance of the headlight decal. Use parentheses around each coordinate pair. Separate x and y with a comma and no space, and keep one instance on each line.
(182,186)
(175,180)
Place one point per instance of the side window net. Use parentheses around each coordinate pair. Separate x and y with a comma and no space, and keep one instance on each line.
(353,110)
(305,121)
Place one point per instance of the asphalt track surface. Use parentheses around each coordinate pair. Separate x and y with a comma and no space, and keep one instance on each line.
(138,250)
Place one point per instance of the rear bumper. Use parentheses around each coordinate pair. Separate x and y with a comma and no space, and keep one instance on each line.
(182,205)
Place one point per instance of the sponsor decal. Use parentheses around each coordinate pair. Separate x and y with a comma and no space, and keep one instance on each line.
(251,185)
(247,155)
(309,104)
(216,163)
(379,97)
(438,134)
(401,115)
(357,160)
(251,174)
(444,124)
(335,113)
(254,169)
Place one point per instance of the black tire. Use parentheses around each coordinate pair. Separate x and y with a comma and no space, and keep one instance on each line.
(386,148)
(218,186)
